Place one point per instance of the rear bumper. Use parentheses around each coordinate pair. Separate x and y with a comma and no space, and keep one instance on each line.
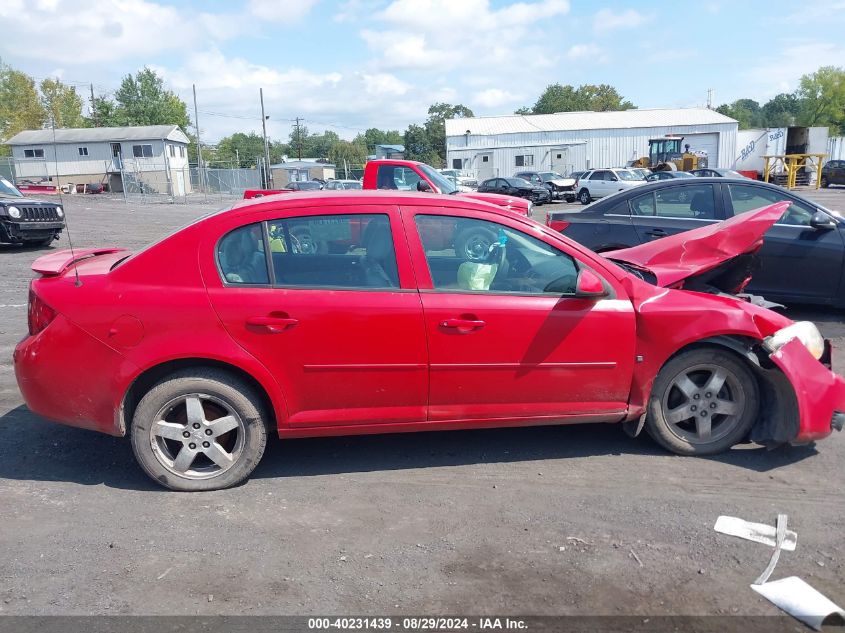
(68,376)
(820,393)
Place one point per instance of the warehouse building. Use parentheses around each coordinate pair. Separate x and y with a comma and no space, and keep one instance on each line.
(154,157)
(486,147)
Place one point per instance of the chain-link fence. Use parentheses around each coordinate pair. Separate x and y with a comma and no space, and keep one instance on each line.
(163,183)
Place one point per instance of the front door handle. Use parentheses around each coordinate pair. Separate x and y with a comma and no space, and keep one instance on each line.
(271,324)
(463,325)
(657,233)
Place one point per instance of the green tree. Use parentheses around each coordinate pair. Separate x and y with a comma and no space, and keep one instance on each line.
(746,111)
(20,106)
(567,98)
(240,147)
(142,99)
(418,145)
(346,154)
(781,110)
(435,128)
(373,136)
(62,104)
(822,96)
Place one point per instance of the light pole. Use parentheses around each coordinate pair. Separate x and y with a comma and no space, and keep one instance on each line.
(268,173)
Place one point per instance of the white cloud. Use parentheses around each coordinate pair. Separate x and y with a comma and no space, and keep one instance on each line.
(95,31)
(442,35)
(285,12)
(586,51)
(782,72)
(344,102)
(495,97)
(611,20)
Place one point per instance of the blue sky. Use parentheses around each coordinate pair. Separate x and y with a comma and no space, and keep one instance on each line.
(347,65)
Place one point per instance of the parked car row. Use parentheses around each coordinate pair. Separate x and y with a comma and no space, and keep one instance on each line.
(803,256)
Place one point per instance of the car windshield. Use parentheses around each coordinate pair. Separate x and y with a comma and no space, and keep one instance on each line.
(308,185)
(624,174)
(8,190)
(439,180)
(518,182)
(550,175)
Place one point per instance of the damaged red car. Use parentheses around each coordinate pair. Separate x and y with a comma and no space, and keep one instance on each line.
(333,314)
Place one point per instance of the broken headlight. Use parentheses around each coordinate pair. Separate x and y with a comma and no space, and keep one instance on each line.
(804,331)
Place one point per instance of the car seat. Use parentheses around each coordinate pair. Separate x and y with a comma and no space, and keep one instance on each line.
(380,269)
(241,259)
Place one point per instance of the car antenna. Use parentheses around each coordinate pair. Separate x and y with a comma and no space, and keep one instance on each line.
(77,282)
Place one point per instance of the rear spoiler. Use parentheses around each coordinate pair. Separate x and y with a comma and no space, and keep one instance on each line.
(56,263)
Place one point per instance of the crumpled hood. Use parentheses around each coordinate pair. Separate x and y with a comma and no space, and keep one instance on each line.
(562,182)
(678,257)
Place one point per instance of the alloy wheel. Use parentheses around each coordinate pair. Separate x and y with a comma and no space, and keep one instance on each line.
(703,403)
(197,436)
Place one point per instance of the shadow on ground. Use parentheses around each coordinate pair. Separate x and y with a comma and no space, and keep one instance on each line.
(32,449)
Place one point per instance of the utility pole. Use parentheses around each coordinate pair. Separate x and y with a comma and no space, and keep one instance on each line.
(94,108)
(199,143)
(298,140)
(268,176)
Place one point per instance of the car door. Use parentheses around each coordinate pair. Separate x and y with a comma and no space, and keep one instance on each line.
(599,185)
(797,261)
(674,208)
(499,346)
(838,175)
(336,319)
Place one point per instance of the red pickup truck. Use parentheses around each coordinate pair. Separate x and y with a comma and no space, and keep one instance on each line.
(410,175)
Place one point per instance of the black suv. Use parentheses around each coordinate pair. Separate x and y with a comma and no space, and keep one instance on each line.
(833,173)
(25,221)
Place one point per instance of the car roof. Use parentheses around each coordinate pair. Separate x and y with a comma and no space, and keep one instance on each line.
(681,182)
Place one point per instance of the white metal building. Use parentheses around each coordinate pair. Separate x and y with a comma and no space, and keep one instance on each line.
(154,154)
(575,141)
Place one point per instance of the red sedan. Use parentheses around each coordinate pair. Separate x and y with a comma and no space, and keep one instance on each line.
(332,314)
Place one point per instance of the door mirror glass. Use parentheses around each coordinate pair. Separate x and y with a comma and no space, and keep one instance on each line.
(613,178)
(589,285)
(423,185)
(822,221)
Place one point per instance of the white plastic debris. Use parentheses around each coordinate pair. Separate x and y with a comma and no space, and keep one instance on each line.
(799,600)
(781,536)
(757,532)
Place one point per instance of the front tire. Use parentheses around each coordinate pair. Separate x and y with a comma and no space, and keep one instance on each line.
(200,429)
(704,401)
(584,197)
(824,182)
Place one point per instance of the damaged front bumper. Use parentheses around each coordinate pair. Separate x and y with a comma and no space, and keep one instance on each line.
(819,392)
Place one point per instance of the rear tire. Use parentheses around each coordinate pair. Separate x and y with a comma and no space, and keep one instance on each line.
(200,429)
(584,197)
(704,401)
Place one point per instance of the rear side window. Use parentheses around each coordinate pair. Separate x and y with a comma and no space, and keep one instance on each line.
(690,202)
(241,257)
(337,251)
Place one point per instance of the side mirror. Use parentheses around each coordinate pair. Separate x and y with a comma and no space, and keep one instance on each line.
(589,285)
(614,179)
(423,185)
(821,221)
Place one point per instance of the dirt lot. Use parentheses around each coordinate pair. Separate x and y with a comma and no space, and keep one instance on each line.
(556,520)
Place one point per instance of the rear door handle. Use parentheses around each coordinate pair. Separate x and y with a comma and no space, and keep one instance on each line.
(657,233)
(273,325)
(466,325)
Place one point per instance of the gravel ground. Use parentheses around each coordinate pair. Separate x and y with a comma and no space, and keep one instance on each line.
(547,520)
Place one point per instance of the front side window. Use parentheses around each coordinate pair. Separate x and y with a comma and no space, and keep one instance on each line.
(396,177)
(337,251)
(470,255)
(697,201)
(241,258)
(142,151)
(746,198)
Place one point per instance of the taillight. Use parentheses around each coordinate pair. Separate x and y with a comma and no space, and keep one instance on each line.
(39,315)
(557,225)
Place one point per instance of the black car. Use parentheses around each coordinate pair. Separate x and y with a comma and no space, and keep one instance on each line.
(667,175)
(516,187)
(803,256)
(560,187)
(715,172)
(833,173)
(308,185)
(25,221)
